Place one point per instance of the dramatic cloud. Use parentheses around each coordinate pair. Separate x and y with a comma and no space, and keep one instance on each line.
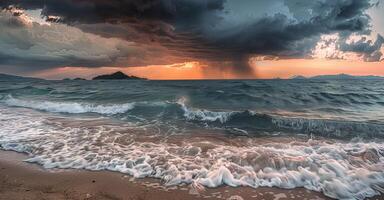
(353,47)
(39,46)
(218,32)
(27,45)
(368,49)
(91,11)
(294,36)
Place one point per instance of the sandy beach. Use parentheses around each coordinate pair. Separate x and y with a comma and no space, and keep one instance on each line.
(21,180)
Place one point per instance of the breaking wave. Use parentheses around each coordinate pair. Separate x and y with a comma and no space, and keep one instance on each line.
(248,122)
(69,107)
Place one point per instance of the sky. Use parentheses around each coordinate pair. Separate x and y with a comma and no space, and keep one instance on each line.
(191,39)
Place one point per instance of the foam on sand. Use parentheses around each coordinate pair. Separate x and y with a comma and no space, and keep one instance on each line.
(351,170)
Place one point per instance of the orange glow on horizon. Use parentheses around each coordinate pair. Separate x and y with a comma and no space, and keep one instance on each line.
(313,67)
(178,71)
(266,69)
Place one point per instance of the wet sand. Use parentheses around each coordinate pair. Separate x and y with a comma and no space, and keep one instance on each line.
(20,180)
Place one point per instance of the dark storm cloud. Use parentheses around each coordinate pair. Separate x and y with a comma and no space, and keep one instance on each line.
(149,22)
(93,11)
(219,30)
(280,35)
(33,46)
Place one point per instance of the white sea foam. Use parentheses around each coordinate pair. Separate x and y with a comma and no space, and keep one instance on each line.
(70,107)
(353,170)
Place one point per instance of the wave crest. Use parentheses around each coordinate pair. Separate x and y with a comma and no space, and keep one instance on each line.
(203,115)
(69,107)
(244,121)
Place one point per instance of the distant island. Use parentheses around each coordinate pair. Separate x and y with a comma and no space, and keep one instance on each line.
(298,77)
(337,77)
(117,76)
(75,79)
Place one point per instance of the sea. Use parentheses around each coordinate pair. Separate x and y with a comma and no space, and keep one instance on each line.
(323,135)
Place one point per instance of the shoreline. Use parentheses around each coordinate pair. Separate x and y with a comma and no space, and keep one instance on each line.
(21,180)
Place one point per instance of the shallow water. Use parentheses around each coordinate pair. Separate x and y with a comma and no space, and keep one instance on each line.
(325,136)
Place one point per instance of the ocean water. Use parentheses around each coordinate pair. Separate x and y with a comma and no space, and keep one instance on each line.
(324,135)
